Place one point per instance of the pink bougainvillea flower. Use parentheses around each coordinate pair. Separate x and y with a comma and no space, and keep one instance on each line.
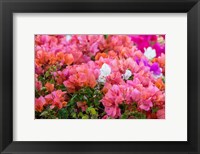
(38,85)
(39,70)
(113,111)
(106,87)
(145,77)
(39,104)
(49,99)
(41,57)
(105,117)
(60,76)
(84,47)
(161,114)
(56,99)
(71,87)
(146,105)
(159,98)
(112,54)
(132,95)
(41,39)
(112,99)
(81,76)
(115,78)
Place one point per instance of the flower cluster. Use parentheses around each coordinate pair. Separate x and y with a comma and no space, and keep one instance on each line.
(100,76)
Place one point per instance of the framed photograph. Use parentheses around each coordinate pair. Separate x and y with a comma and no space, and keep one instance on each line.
(99,76)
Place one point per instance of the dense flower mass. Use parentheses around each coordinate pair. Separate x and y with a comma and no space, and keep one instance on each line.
(100,76)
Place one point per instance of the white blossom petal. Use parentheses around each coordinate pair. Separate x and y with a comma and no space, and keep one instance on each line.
(157,76)
(102,79)
(150,53)
(127,75)
(104,72)
(68,37)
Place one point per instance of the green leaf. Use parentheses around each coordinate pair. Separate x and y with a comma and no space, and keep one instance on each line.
(124,116)
(80,114)
(85,116)
(93,111)
(134,105)
(105,36)
(43,89)
(73,114)
(37,94)
(123,107)
(44,113)
(52,81)
(62,87)
(72,100)
(47,74)
(155,109)
(138,115)
(163,79)
(54,68)
(131,77)
(62,113)
(96,102)
(40,78)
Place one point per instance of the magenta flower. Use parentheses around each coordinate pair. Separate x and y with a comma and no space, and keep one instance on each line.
(145,41)
(159,49)
(155,68)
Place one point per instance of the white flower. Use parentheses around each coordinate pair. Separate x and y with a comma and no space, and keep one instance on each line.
(68,37)
(150,53)
(102,79)
(127,75)
(104,72)
(105,69)
(157,76)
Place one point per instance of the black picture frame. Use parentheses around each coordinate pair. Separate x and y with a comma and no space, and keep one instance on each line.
(8,7)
